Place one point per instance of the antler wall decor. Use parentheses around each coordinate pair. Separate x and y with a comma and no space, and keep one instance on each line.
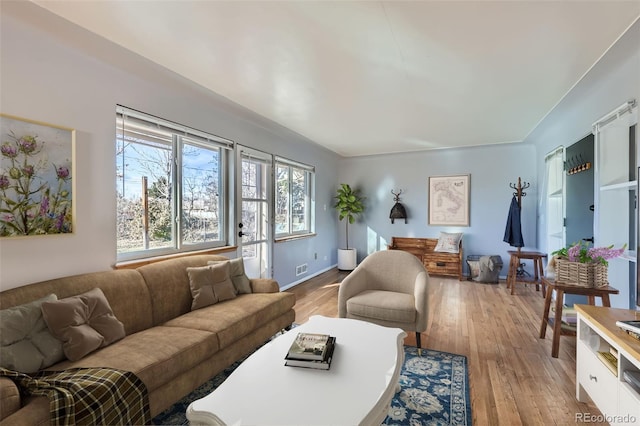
(397,211)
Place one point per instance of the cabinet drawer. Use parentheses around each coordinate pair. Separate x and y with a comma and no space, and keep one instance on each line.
(628,402)
(597,380)
(441,267)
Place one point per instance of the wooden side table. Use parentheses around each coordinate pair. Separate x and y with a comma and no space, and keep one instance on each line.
(514,263)
(556,321)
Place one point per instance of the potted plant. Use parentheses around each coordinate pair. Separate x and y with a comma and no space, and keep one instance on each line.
(349,204)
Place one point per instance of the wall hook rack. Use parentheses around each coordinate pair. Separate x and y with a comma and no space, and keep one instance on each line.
(519,187)
(576,165)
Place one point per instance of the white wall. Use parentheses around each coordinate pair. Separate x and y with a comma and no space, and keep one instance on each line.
(492,169)
(52,71)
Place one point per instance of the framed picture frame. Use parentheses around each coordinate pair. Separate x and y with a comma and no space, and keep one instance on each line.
(36,178)
(449,200)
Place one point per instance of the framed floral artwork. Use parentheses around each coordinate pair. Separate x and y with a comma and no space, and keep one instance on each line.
(449,200)
(36,178)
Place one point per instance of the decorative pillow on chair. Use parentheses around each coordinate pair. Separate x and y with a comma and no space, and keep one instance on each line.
(83,323)
(26,345)
(210,284)
(449,242)
(236,272)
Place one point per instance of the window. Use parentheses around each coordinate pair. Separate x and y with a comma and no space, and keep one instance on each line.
(294,198)
(170,187)
(555,194)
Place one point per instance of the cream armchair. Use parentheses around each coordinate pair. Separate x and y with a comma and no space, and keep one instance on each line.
(388,288)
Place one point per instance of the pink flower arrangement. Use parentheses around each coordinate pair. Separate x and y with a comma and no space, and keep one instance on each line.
(582,253)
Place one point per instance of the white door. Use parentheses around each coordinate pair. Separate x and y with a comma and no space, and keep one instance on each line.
(254,228)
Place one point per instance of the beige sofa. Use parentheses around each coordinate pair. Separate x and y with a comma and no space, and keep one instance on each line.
(170,348)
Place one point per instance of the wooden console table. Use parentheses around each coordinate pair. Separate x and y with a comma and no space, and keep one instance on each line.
(436,263)
(556,321)
(598,379)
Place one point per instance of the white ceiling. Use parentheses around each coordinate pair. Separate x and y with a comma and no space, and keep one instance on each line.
(373,77)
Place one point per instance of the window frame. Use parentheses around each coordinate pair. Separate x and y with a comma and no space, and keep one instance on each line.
(309,173)
(180,136)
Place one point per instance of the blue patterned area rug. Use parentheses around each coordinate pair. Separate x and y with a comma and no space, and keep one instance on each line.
(434,390)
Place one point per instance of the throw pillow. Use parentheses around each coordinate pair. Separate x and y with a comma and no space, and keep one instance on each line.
(210,284)
(222,285)
(83,323)
(449,242)
(236,271)
(201,286)
(26,345)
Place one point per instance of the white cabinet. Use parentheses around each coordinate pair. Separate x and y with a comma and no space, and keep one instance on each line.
(598,380)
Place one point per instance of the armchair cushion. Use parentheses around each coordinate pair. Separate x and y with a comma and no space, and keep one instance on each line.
(384,306)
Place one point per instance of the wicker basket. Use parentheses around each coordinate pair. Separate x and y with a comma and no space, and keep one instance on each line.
(581,274)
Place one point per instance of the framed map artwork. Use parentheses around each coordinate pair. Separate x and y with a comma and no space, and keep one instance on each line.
(449,200)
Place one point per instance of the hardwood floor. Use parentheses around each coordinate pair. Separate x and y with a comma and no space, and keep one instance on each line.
(513,378)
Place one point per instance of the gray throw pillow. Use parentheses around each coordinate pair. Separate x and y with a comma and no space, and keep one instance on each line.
(84,323)
(26,345)
(236,272)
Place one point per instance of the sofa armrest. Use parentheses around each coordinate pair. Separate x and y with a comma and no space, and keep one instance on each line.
(264,285)
(9,397)
(35,412)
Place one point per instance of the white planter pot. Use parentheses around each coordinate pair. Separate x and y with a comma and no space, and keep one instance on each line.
(347,259)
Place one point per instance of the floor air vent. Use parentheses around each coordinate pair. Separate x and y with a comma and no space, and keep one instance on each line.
(301,269)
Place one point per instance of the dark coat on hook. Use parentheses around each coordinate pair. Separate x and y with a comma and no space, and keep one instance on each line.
(513,230)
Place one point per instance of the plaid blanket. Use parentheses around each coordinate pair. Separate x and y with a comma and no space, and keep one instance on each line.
(88,396)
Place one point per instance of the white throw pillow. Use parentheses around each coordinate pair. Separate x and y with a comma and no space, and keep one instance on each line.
(449,242)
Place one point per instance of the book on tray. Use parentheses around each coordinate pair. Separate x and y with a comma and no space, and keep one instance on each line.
(311,351)
(312,346)
(633,326)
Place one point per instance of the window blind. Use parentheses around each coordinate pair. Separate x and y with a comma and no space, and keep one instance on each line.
(138,125)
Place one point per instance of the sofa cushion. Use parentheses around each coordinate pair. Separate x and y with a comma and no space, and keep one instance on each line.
(383,305)
(238,276)
(83,323)
(26,344)
(156,356)
(210,284)
(234,319)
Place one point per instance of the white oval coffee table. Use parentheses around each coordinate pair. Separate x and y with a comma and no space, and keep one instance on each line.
(357,390)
